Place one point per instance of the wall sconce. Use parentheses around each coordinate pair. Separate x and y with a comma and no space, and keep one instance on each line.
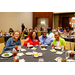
(69,22)
(43,22)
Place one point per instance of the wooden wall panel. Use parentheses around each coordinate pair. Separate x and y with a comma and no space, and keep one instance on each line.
(64,15)
(42,14)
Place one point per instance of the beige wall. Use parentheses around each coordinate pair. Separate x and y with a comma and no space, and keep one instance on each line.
(15,19)
(56,21)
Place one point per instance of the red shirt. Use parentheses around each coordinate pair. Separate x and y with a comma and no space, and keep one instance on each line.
(28,40)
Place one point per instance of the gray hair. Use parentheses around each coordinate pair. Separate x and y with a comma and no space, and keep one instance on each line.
(58,33)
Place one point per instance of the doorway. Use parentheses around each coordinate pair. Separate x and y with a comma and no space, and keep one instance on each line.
(65,22)
(42,22)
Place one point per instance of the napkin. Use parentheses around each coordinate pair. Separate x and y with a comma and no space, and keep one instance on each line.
(20,54)
(23,49)
(21,60)
(59,52)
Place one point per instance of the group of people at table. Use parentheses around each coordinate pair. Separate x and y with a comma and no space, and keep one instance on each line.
(33,39)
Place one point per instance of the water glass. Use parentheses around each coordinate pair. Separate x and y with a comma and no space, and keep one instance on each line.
(52,45)
(66,55)
(28,44)
(16,59)
(63,48)
(14,52)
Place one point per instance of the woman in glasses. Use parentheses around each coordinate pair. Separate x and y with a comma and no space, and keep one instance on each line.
(11,42)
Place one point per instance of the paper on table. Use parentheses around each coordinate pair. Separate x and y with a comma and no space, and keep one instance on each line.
(33,48)
(53,50)
(20,54)
(59,52)
(21,60)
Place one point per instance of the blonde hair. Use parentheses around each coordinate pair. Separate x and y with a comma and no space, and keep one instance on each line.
(14,33)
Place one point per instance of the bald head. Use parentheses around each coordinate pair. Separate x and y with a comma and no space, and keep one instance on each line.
(57,34)
(44,32)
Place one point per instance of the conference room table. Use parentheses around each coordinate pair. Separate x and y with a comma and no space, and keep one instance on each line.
(48,56)
(70,38)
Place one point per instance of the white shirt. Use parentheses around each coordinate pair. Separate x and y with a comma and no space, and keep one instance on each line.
(57,42)
(52,35)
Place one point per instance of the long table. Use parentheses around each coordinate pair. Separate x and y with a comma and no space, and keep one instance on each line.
(47,56)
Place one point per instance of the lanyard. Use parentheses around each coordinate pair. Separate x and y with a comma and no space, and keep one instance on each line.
(33,42)
(44,39)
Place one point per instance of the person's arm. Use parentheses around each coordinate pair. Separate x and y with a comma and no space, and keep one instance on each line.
(40,40)
(49,41)
(26,41)
(8,46)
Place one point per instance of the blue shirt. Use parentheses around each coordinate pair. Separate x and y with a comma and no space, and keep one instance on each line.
(47,40)
(10,44)
(60,30)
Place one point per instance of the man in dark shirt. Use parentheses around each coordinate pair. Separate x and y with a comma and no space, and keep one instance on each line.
(23,27)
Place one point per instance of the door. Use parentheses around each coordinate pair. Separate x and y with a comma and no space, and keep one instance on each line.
(65,22)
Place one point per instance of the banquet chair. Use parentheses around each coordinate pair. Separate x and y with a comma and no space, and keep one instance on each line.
(2,45)
(22,42)
(72,46)
(68,45)
(3,32)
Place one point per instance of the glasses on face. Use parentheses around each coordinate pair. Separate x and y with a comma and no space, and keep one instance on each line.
(16,34)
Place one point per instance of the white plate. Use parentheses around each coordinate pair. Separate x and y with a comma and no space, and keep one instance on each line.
(23,49)
(29,53)
(33,48)
(6,53)
(58,48)
(43,49)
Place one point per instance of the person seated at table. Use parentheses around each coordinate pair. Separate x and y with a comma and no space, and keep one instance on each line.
(32,39)
(52,34)
(25,31)
(58,41)
(36,29)
(45,39)
(11,42)
(30,30)
(11,30)
(60,29)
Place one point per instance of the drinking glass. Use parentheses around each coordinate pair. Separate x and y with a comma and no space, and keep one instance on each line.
(16,59)
(71,55)
(62,48)
(59,59)
(40,44)
(52,45)
(66,55)
(16,47)
(28,44)
(63,60)
(41,60)
(19,48)
(14,52)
